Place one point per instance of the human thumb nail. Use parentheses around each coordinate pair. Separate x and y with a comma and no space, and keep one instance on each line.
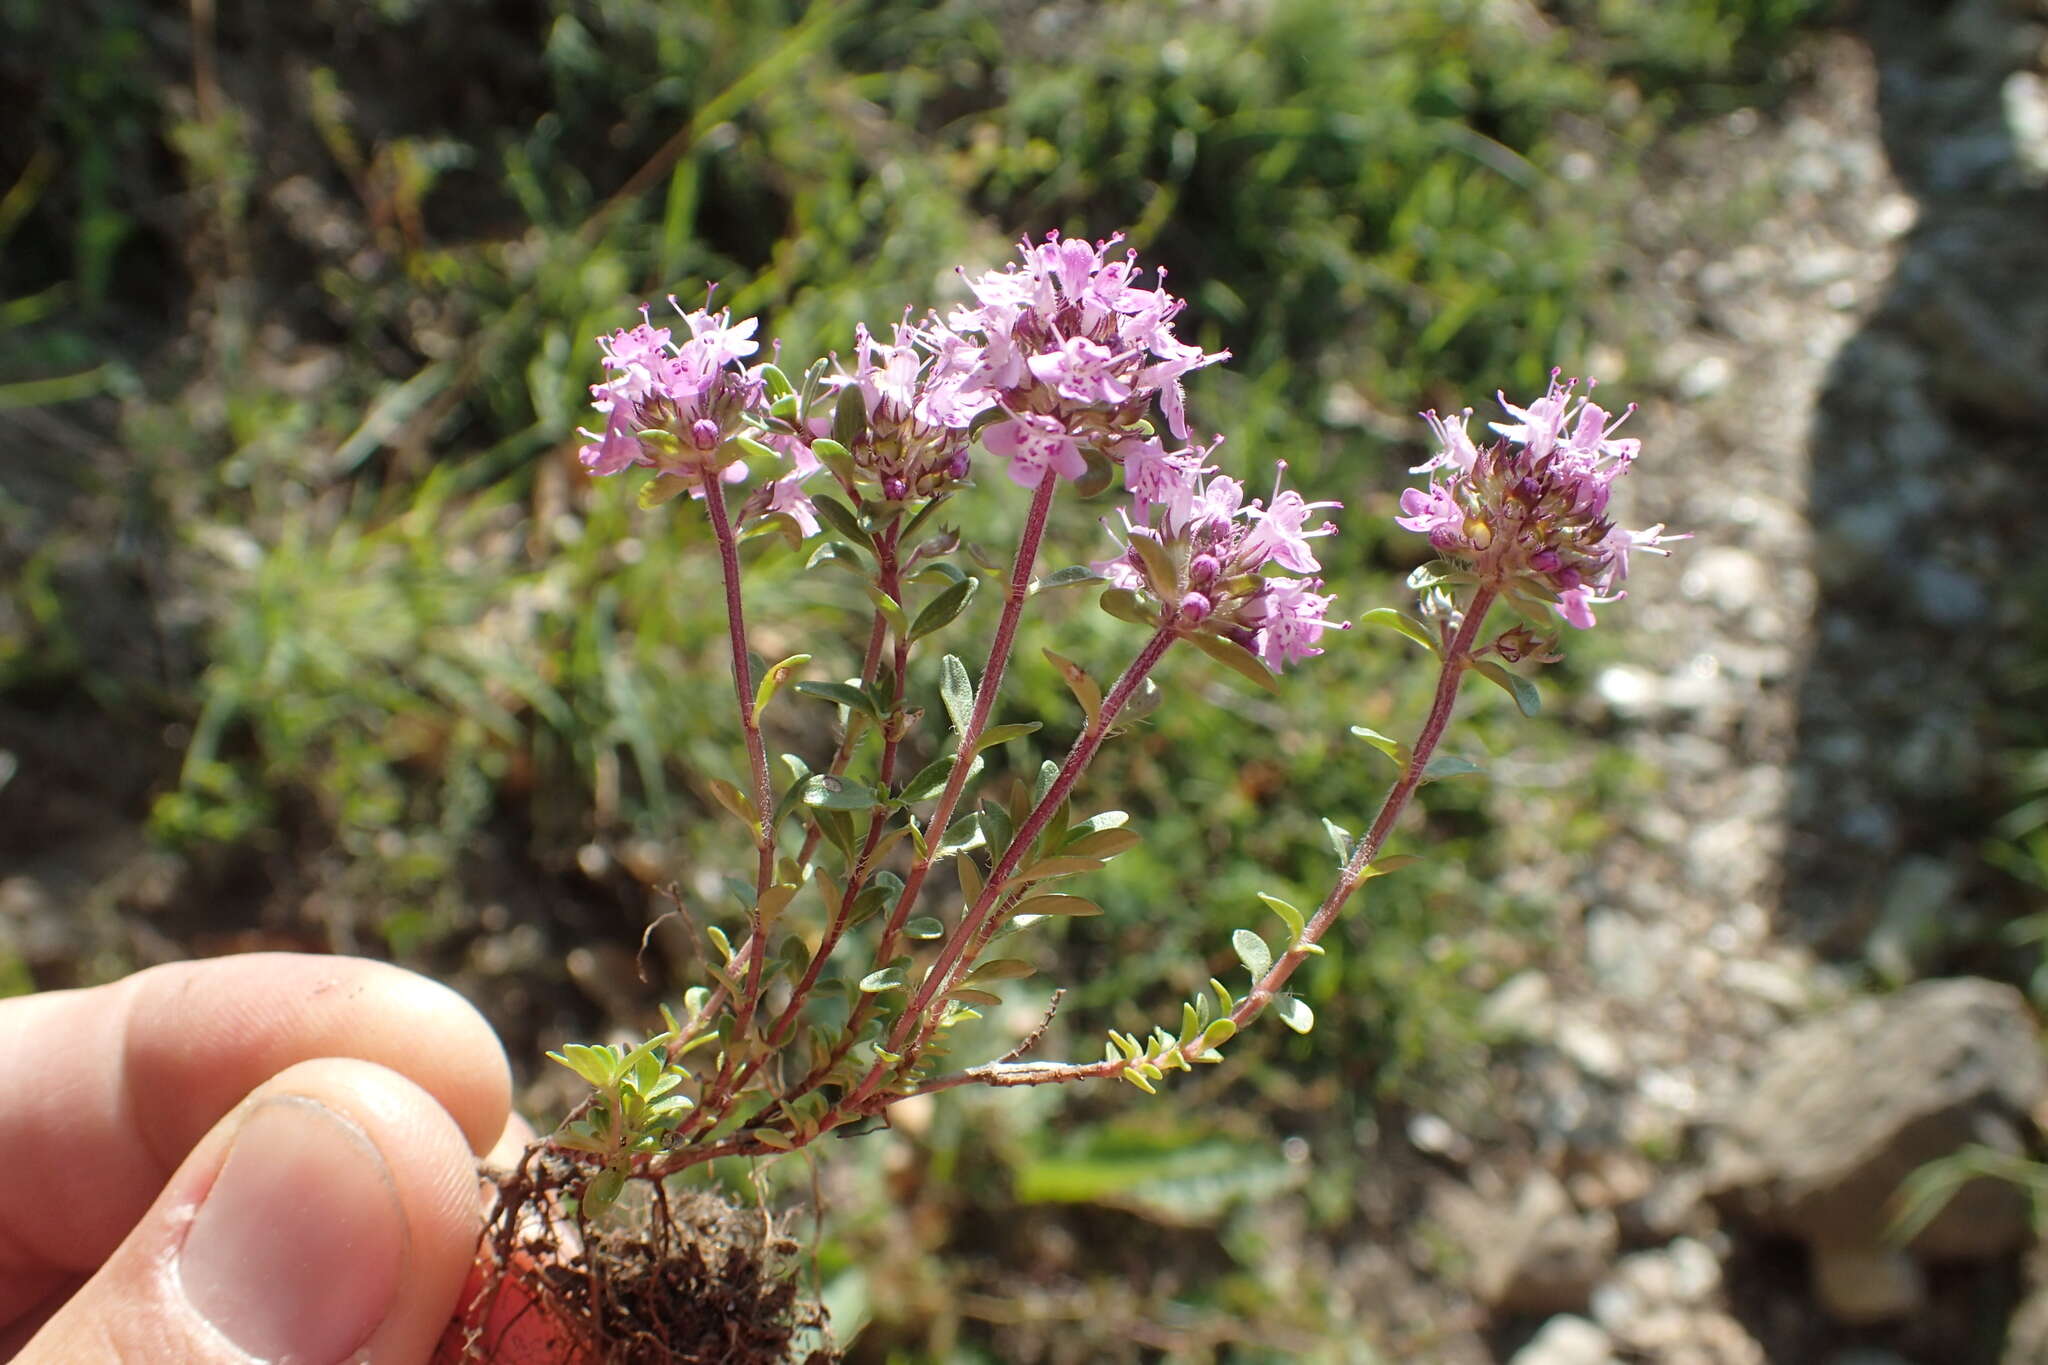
(296,1252)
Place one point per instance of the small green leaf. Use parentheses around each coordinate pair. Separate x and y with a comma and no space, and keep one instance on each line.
(888,979)
(1527,700)
(850,416)
(598,1065)
(1295,1013)
(845,694)
(1289,916)
(776,382)
(1219,1032)
(1126,605)
(1003,734)
(1159,566)
(1340,839)
(1097,475)
(735,800)
(839,555)
(1054,903)
(930,780)
(755,449)
(1386,744)
(1238,660)
(772,681)
(603,1191)
(1046,868)
(773,902)
(720,942)
(834,457)
(1108,819)
(1389,862)
(940,611)
(1253,952)
(835,793)
(768,1137)
(999,969)
(974,996)
(840,518)
(1448,765)
(956,689)
(963,834)
(891,609)
(926,927)
(1067,578)
(1102,843)
(1078,682)
(661,489)
(1041,786)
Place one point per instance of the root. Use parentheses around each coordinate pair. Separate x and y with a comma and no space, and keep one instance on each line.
(669,1276)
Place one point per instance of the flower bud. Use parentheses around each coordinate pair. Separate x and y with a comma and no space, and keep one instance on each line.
(1202,570)
(1195,608)
(704,434)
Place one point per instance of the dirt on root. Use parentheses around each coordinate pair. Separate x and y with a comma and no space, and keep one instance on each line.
(671,1277)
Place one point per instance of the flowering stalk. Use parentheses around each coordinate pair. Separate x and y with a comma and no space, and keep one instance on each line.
(992,673)
(1057,370)
(978,926)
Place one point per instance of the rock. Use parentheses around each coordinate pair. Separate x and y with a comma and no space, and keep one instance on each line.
(2026,1332)
(1540,1256)
(1859,1285)
(1849,1104)
(1566,1340)
(1522,1007)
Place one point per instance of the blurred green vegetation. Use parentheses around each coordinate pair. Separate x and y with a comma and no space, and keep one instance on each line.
(295,309)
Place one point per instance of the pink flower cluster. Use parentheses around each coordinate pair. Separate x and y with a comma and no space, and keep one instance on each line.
(920,397)
(1196,547)
(674,407)
(1528,512)
(1073,351)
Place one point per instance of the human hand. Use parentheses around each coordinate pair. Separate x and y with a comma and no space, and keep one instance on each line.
(252,1158)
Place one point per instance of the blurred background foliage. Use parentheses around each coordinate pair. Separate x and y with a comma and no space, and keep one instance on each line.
(295,318)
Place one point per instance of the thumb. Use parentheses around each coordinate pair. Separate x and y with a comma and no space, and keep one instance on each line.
(331,1216)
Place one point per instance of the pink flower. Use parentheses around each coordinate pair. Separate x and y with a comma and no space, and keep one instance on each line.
(1066,333)
(694,392)
(1034,443)
(1278,533)
(1287,620)
(1531,507)
(1225,551)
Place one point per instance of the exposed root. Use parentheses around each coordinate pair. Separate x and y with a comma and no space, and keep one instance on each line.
(668,1277)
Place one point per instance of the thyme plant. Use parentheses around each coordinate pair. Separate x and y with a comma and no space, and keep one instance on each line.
(846,966)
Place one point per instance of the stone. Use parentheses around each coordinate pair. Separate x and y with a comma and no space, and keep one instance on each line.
(1847,1105)
(1541,1255)
(1861,1285)
(1522,1007)
(1566,1340)
(2026,1331)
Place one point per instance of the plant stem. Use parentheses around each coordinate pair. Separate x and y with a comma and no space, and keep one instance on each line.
(1456,658)
(757,753)
(990,685)
(957,955)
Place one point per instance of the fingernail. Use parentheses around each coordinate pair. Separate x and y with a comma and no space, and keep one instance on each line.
(296,1251)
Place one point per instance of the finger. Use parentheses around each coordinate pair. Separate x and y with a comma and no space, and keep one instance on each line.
(109,1088)
(511,1144)
(331,1216)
